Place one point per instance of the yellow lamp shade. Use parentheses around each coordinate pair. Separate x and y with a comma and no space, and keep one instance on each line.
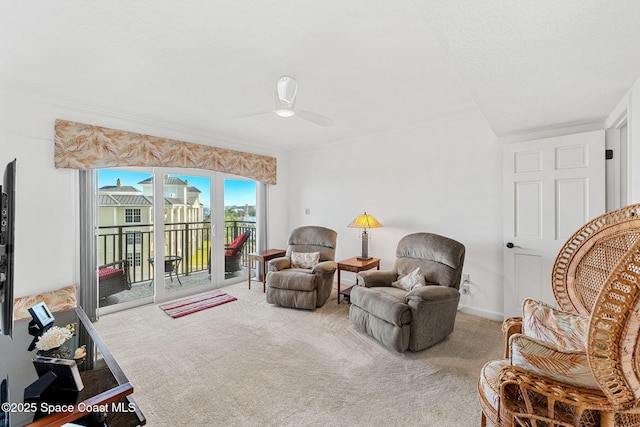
(365,221)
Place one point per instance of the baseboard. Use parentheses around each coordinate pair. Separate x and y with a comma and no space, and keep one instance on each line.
(491,315)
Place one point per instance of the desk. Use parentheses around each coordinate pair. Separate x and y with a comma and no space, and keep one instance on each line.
(105,385)
(355,265)
(264,257)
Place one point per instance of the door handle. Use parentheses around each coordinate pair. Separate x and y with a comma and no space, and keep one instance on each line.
(511,245)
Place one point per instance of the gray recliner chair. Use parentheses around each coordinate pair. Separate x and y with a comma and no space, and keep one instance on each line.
(303,278)
(405,308)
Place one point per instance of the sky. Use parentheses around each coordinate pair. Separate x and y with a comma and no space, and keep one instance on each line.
(236,192)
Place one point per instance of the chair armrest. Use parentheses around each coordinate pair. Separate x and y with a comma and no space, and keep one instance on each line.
(278,264)
(325,267)
(510,326)
(432,293)
(376,278)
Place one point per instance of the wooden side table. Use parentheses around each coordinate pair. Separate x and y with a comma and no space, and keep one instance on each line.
(263,257)
(355,266)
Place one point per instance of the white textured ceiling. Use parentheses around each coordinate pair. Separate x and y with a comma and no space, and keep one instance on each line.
(533,64)
(370,65)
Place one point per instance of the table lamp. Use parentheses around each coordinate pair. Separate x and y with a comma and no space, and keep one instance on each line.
(365,221)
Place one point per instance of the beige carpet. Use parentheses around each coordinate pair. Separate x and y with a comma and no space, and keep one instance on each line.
(248,363)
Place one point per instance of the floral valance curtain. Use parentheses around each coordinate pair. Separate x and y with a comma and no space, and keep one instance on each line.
(83,146)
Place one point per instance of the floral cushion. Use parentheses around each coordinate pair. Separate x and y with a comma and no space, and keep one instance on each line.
(550,360)
(542,322)
(553,344)
(61,299)
(304,259)
(410,281)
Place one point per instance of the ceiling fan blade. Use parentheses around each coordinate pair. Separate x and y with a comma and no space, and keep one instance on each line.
(257,113)
(287,88)
(316,118)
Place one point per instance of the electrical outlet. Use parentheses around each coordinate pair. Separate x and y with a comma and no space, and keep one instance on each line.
(466,278)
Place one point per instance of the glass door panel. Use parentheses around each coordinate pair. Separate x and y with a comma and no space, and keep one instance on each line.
(124,237)
(187,232)
(239,226)
(169,249)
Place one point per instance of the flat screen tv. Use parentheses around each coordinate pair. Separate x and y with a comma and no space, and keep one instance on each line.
(7,228)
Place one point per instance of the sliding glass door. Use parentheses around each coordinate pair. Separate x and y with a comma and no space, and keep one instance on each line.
(171,234)
(184,261)
(240,225)
(124,238)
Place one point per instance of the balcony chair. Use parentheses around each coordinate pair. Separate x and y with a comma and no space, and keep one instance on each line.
(576,365)
(113,278)
(414,305)
(233,254)
(303,278)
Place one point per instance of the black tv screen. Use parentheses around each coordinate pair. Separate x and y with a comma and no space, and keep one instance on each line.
(7,228)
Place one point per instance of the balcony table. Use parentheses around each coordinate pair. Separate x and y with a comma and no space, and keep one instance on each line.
(171,265)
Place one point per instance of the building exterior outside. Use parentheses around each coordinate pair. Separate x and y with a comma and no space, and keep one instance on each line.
(125,221)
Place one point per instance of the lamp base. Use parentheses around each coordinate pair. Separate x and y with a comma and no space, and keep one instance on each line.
(363,258)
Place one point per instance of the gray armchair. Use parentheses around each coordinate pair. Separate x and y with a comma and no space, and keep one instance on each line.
(303,278)
(411,311)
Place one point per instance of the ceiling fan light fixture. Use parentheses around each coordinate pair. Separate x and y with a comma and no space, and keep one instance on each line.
(285,104)
(285,112)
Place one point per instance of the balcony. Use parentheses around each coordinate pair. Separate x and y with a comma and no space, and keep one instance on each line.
(191,241)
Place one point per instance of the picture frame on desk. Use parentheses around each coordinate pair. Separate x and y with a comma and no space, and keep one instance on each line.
(67,375)
(41,315)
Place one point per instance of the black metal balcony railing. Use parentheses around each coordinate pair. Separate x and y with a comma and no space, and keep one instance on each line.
(189,240)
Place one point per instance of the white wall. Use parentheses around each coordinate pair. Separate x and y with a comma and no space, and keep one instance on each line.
(443,178)
(47,198)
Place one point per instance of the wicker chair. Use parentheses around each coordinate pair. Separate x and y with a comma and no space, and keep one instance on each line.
(233,254)
(586,370)
(113,278)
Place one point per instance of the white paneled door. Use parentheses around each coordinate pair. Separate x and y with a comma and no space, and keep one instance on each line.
(552,187)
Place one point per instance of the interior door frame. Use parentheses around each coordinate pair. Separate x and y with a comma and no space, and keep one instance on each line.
(618,167)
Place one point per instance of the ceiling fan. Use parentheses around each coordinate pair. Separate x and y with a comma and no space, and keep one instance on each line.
(286,91)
